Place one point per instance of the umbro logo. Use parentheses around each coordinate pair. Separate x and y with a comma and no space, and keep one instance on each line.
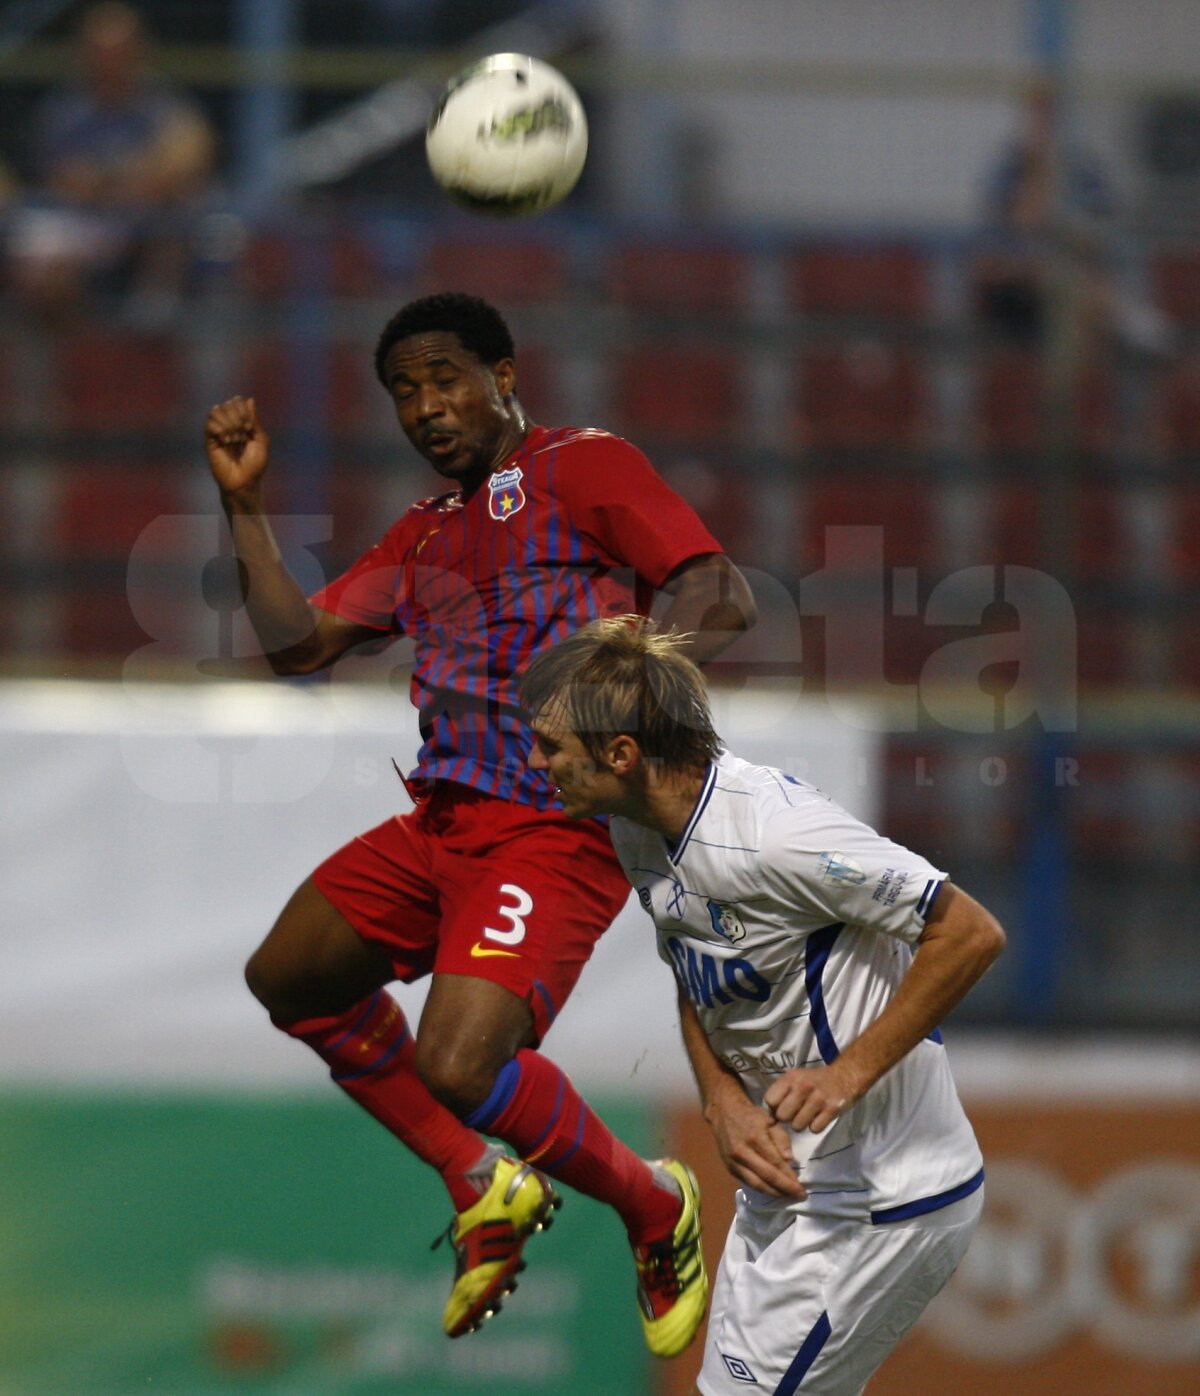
(738,1370)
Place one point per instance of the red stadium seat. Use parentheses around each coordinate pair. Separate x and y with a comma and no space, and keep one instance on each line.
(886,280)
(902,508)
(103,510)
(1183,539)
(266,371)
(1176,426)
(1011,533)
(1107,655)
(1103,547)
(272,265)
(673,393)
(670,276)
(501,271)
(539,383)
(1010,394)
(266,268)
(1175,278)
(1100,805)
(870,397)
(720,497)
(354,269)
(111,382)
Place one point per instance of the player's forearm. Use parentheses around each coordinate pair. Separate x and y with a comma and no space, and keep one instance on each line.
(953,955)
(713,1077)
(711,603)
(277,607)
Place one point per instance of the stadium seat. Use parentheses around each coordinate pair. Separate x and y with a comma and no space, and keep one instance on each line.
(1176,426)
(354,265)
(103,509)
(1101,808)
(1010,393)
(681,277)
(1106,648)
(501,270)
(719,495)
(112,382)
(1175,280)
(1011,532)
(677,393)
(1103,546)
(869,397)
(267,367)
(1183,538)
(266,268)
(885,280)
(272,265)
(540,385)
(902,507)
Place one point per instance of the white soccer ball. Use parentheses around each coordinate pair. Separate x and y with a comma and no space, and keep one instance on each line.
(507,136)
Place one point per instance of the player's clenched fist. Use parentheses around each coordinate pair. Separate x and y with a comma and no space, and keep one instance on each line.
(237,445)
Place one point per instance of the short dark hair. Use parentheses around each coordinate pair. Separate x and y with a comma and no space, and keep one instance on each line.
(479,326)
(623,676)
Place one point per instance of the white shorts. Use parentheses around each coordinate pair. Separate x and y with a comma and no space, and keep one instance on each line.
(814,1304)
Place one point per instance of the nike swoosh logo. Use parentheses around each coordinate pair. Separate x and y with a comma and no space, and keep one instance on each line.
(478,951)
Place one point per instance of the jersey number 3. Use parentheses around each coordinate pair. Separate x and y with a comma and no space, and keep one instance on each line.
(522,905)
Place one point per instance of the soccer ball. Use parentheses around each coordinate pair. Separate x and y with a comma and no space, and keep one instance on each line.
(507,136)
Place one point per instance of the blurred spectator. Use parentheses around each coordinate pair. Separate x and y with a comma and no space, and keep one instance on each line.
(119,159)
(1054,204)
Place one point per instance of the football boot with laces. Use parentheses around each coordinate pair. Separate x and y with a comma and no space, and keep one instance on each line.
(488,1239)
(672,1283)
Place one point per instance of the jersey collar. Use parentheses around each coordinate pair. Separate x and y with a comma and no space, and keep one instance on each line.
(710,781)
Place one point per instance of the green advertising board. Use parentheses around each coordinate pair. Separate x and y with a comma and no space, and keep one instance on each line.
(197,1245)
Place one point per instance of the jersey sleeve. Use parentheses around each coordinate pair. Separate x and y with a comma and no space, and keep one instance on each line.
(368,592)
(835,866)
(615,497)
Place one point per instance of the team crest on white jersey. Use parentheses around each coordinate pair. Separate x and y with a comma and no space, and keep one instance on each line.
(840,867)
(726,922)
(505,495)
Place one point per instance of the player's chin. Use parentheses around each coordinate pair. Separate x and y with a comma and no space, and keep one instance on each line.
(574,805)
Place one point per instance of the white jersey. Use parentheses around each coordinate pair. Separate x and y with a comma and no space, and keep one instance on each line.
(789,925)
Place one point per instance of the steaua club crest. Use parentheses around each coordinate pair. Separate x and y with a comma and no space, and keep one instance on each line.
(505,495)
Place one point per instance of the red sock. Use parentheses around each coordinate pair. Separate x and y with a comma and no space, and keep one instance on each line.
(371,1053)
(535,1108)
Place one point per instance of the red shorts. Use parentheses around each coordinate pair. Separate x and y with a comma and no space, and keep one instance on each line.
(470,884)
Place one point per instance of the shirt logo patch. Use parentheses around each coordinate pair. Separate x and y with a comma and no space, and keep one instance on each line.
(738,1370)
(840,867)
(675,900)
(726,922)
(505,495)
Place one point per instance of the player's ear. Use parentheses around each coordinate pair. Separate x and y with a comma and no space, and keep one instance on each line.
(622,754)
(505,373)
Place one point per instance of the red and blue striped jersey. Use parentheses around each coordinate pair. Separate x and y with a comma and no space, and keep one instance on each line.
(575,524)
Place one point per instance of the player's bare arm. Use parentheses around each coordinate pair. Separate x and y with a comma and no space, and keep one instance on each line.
(711,602)
(755,1150)
(297,638)
(960,941)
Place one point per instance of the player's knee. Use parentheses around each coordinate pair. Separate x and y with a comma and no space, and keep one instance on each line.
(275,983)
(260,980)
(456,1074)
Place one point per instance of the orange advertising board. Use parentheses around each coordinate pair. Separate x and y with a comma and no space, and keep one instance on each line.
(1084,1276)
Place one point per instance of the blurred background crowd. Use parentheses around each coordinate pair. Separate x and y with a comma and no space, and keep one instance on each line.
(933,275)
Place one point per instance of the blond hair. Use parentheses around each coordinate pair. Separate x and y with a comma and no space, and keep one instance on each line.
(622,676)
